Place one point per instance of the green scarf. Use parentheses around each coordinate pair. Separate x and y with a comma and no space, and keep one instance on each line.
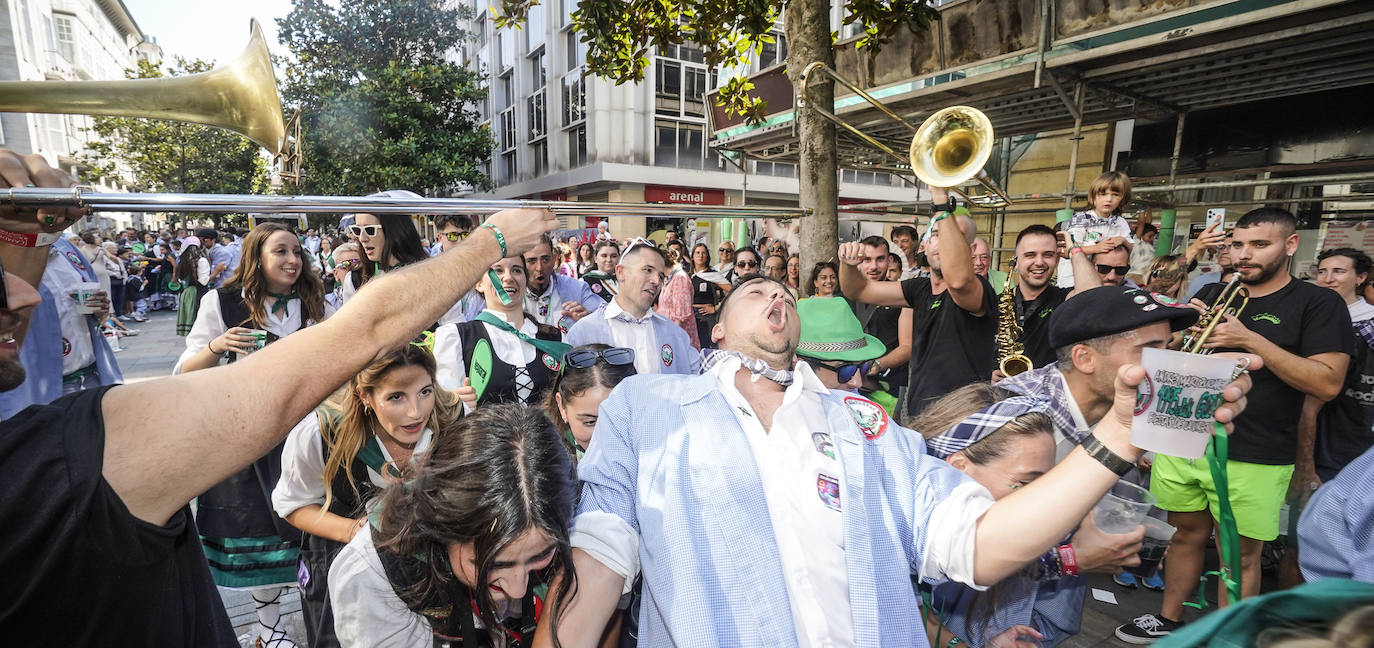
(279,305)
(554,349)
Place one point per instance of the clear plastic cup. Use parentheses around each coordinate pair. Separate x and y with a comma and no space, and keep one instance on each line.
(1174,406)
(1158,535)
(80,292)
(1122,508)
(260,336)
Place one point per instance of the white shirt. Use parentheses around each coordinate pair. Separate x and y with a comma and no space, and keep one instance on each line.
(1360,309)
(792,462)
(210,324)
(1062,444)
(448,350)
(637,334)
(302,467)
(60,276)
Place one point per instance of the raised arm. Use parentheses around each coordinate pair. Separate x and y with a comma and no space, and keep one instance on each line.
(1021,526)
(245,408)
(956,263)
(857,287)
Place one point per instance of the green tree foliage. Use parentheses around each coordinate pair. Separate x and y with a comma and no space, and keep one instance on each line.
(621,33)
(383,105)
(170,156)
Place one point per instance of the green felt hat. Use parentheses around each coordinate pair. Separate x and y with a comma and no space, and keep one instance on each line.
(830,331)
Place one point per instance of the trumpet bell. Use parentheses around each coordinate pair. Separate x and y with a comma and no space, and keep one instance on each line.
(951,146)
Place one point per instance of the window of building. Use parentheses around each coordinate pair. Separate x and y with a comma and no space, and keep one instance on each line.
(64,30)
(568,7)
(534,26)
(679,89)
(574,49)
(684,52)
(574,98)
(536,111)
(678,144)
(782,169)
(506,87)
(540,152)
(507,139)
(577,146)
(774,52)
(538,73)
(509,168)
(505,48)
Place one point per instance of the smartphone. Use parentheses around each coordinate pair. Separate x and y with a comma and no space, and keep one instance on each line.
(1217,216)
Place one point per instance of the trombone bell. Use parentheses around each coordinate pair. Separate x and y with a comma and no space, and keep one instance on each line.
(951,148)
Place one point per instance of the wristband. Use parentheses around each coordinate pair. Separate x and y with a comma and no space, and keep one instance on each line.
(1076,248)
(500,238)
(930,230)
(947,206)
(28,239)
(1068,560)
(1105,456)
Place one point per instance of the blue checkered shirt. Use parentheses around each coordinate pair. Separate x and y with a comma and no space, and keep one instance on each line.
(1336,530)
(1047,384)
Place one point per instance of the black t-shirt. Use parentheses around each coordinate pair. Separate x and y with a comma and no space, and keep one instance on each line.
(1345,426)
(1304,320)
(881,322)
(950,347)
(79,569)
(1034,317)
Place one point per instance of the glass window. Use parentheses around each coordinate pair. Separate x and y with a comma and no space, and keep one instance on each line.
(534,26)
(540,151)
(509,168)
(575,49)
(507,141)
(574,98)
(66,37)
(537,111)
(694,82)
(505,43)
(667,87)
(689,148)
(665,143)
(678,144)
(506,86)
(577,146)
(538,73)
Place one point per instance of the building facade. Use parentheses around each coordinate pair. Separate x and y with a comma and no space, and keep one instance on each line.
(67,40)
(561,135)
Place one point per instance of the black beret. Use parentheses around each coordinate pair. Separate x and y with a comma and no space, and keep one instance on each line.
(1108,310)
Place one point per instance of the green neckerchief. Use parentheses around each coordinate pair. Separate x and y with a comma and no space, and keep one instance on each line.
(371,455)
(554,349)
(279,305)
(572,441)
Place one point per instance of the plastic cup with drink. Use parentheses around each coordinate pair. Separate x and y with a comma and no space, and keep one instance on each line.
(81,292)
(1175,403)
(259,339)
(1122,508)
(1158,535)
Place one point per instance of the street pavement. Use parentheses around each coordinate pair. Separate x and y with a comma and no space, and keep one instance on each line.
(153,352)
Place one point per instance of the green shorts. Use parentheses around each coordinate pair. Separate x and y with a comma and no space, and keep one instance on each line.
(1257,491)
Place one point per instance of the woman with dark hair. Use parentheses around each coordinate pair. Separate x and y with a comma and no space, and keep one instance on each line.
(273,294)
(747,262)
(602,279)
(586,259)
(708,287)
(192,273)
(503,354)
(389,241)
(336,461)
(455,553)
(824,280)
(589,374)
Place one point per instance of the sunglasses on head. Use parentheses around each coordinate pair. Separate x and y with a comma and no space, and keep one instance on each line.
(454,237)
(583,358)
(369,230)
(845,372)
(350,265)
(746,264)
(1108,269)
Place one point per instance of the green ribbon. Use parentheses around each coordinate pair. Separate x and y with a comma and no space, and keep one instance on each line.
(279,305)
(371,455)
(1228,536)
(555,349)
(500,290)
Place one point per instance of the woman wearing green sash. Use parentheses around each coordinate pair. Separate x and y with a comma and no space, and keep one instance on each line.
(502,354)
(336,461)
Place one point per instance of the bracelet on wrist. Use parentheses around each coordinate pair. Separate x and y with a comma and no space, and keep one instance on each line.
(500,238)
(1104,455)
(28,239)
(1068,560)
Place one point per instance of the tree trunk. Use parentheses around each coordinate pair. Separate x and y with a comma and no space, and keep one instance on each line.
(807,26)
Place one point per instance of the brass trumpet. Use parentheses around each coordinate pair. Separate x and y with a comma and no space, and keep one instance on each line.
(1225,304)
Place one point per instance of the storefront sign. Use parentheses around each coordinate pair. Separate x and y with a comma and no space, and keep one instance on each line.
(689,195)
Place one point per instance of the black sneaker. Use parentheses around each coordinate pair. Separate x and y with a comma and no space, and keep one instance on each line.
(1145,629)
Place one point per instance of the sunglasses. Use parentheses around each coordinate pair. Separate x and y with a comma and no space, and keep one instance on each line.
(369,230)
(746,264)
(725,249)
(453,237)
(1108,269)
(845,372)
(583,358)
(349,265)
(638,242)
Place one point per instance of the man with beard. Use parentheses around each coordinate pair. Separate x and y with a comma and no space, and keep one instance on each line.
(954,310)
(552,298)
(93,493)
(629,320)
(763,509)
(1302,334)
(1036,296)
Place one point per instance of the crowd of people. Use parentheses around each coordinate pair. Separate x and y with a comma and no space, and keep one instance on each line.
(512,438)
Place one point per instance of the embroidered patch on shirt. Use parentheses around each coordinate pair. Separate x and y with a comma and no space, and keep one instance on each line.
(829,489)
(551,363)
(66,347)
(823,444)
(870,417)
(76,261)
(665,353)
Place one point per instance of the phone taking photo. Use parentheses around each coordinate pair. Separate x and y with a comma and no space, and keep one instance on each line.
(1216,216)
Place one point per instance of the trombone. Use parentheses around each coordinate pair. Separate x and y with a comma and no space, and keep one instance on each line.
(949,149)
(1225,304)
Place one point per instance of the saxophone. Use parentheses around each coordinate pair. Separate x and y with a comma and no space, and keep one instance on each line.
(1011,353)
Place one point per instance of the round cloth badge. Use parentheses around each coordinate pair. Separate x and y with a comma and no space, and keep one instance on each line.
(665,353)
(870,417)
(76,261)
(1140,299)
(1144,395)
(66,347)
(551,362)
